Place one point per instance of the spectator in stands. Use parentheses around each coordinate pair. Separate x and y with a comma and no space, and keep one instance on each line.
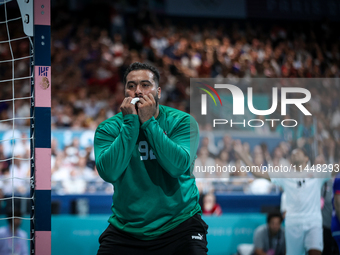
(6,236)
(265,129)
(6,182)
(265,154)
(98,185)
(203,164)
(285,149)
(74,184)
(20,170)
(210,207)
(210,143)
(246,149)
(223,161)
(269,239)
(239,179)
(207,143)
(278,159)
(226,144)
(84,172)
(287,133)
(305,135)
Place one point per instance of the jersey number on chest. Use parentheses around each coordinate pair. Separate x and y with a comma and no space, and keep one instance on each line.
(145,153)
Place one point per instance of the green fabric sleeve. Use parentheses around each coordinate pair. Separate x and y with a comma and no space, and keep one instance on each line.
(173,153)
(113,147)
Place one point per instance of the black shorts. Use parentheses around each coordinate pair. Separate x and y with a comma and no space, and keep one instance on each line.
(188,238)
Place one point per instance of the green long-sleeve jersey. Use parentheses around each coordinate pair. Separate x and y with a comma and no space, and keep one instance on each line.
(150,167)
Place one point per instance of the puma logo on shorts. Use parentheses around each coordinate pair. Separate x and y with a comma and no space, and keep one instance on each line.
(198,237)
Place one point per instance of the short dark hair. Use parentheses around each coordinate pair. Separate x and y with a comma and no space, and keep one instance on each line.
(274,215)
(304,151)
(141,66)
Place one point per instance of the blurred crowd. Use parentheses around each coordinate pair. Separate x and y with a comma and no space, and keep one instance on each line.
(88,55)
(88,63)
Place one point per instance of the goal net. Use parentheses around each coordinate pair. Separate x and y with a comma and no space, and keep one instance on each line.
(25,81)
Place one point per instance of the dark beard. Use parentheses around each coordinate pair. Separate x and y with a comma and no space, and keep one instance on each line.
(156,99)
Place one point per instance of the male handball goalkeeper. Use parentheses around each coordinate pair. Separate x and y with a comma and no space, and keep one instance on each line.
(144,151)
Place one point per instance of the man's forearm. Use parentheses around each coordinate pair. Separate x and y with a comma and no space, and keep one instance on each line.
(113,154)
(249,163)
(173,153)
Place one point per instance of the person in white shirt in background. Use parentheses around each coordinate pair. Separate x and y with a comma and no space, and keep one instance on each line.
(303,195)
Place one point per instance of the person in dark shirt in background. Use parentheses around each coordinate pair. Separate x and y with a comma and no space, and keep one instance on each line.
(269,239)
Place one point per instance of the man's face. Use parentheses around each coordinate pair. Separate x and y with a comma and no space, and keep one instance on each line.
(274,225)
(298,157)
(140,83)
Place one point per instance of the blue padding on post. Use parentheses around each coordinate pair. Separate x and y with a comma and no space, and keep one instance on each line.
(42,45)
(237,203)
(42,127)
(42,210)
